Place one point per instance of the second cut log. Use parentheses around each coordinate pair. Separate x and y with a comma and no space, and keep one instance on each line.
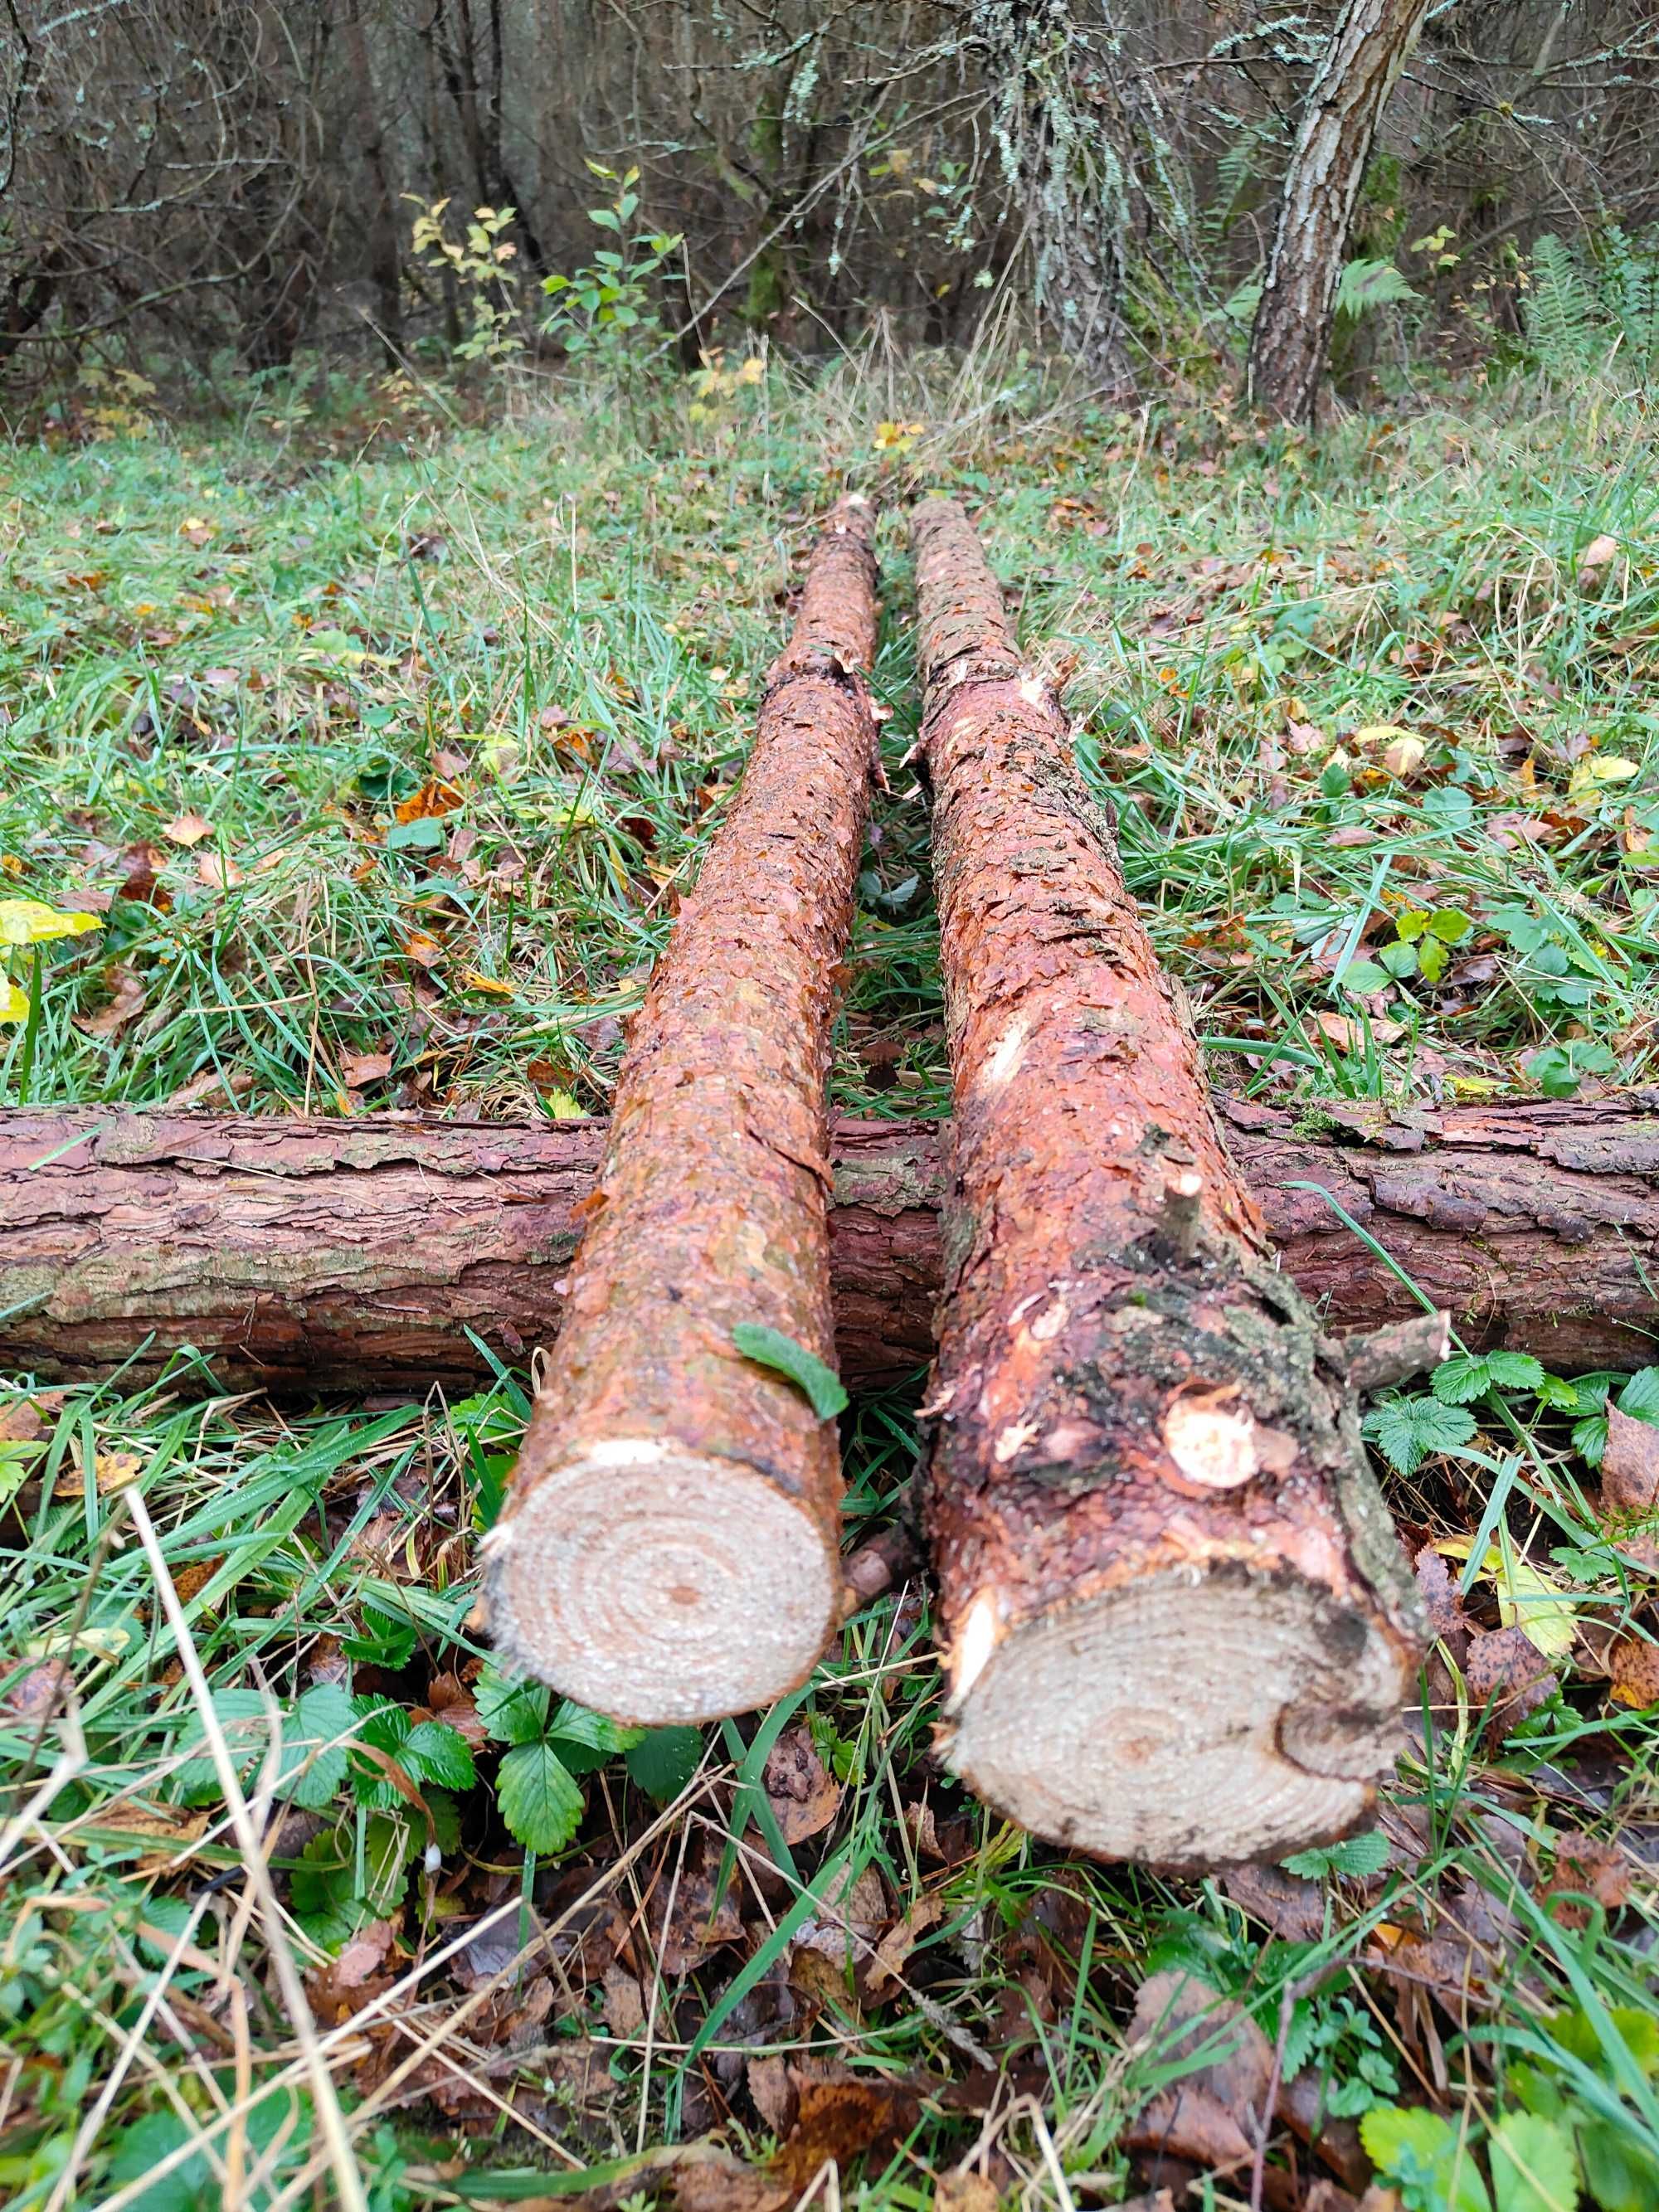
(670,1550)
(1176,1620)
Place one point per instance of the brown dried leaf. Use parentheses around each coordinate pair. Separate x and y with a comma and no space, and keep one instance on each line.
(1630,1466)
(362,1954)
(972,2193)
(1176,2015)
(21,1421)
(127,1002)
(803,1793)
(431,802)
(1587,1866)
(1439,1592)
(727,2186)
(115,1470)
(624,2006)
(773,2091)
(188,828)
(853,1910)
(1190,2124)
(696,1927)
(449,1701)
(1505,1668)
(359,1069)
(1596,556)
(1292,1907)
(841,2115)
(896,1945)
(217,871)
(1633,1666)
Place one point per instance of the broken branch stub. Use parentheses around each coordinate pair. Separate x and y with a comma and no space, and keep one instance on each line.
(1178,1625)
(669,1551)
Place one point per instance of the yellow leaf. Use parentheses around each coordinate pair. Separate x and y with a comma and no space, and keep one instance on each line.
(1590,774)
(562,1107)
(491,986)
(14,1004)
(1527,1598)
(27,921)
(115,1471)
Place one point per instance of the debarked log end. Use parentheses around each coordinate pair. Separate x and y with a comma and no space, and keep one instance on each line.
(1182,1718)
(659,1585)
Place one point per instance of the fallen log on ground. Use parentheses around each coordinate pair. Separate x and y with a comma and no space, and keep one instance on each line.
(1177,1625)
(669,1546)
(381,1254)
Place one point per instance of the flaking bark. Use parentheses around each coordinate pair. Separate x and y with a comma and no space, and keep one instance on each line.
(669,1548)
(1175,1619)
(1291,330)
(375,1254)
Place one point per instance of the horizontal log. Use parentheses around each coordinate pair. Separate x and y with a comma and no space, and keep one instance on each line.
(356,1255)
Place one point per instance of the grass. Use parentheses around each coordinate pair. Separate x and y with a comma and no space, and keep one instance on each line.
(380,743)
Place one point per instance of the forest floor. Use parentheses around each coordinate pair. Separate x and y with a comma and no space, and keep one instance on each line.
(378,746)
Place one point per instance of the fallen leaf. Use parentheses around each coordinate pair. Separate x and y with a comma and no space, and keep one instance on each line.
(972,2193)
(1404,757)
(1597,771)
(188,828)
(1176,2016)
(358,1070)
(1349,1036)
(1587,1866)
(1598,555)
(841,2116)
(434,798)
(624,2005)
(802,1793)
(362,1954)
(1292,1906)
(774,2093)
(21,1421)
(1630,1465)
(218,872)
(492,987)
(1633,1667)
(1190,2124)
(425,950)
(449,1701)
(896,1945)
(114,1471)
(127,1001)
(1506,1670)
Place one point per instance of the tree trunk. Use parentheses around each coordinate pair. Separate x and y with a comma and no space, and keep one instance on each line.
(1292,327)
(377,1254)
(669,1548)
(385,261)
(1066,146)
(1177,1625)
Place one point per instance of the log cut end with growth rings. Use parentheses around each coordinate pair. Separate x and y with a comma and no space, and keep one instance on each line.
(1177,1623)
(669,1549)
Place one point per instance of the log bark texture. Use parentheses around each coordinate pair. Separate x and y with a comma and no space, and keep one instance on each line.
(377,1254)
(1291,331)
(1177,1625)
(669,1546)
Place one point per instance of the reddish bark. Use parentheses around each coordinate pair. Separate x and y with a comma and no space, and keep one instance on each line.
(1177,1622)
(669,1548)
(373,1255)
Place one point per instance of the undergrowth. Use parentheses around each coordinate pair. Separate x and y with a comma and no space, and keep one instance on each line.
(377,749)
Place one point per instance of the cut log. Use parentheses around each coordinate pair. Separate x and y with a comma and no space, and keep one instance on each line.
(383,1254)
(1177,1625)
(669,1546)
